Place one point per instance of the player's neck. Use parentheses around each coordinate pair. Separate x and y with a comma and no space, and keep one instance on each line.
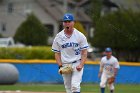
(108,56)
(68,32)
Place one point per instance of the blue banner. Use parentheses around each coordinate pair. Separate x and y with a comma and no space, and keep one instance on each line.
(48,73)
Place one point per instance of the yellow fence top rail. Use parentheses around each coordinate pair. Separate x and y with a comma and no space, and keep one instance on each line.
(53,61)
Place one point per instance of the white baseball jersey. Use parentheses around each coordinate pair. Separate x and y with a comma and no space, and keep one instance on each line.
(109,65)
(70,47)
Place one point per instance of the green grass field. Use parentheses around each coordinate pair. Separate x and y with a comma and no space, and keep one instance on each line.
(91,88)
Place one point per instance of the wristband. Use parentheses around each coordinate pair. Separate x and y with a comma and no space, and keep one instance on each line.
(60,66)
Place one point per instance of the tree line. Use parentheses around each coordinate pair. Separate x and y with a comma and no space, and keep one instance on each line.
(120,31)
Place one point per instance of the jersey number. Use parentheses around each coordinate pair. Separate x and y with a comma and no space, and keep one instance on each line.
(77,51)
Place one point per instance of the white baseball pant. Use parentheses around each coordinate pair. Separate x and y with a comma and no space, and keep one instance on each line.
(72,81)
(103,82)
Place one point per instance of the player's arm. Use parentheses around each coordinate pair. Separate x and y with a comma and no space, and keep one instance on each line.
(83,46)
(116,68)
(58,59)
(56,50)
(100,70)
(115,72)
(83,59)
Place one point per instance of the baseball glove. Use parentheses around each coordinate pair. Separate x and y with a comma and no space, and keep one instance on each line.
(111,80)
(67,69)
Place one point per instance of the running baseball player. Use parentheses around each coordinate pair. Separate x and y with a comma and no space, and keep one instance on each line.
(108,70)
(70,47)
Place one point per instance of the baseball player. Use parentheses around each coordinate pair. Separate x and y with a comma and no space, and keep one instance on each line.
(108,70)
(70,47)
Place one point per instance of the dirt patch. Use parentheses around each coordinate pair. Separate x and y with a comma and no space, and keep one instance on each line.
(18,91)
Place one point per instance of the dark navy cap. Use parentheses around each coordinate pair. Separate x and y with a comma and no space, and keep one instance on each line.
(68,17)
(108,49)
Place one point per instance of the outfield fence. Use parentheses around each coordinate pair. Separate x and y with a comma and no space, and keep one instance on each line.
(46,71)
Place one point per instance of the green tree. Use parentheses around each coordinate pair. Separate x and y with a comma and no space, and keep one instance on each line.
(119,30)
(31,32)
(94,11)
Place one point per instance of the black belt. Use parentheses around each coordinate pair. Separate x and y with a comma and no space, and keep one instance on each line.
(75,61)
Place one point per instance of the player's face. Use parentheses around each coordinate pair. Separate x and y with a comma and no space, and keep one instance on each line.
(108,53)
(68,24)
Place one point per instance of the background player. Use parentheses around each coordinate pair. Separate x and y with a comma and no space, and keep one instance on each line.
(108,68)
(70,47)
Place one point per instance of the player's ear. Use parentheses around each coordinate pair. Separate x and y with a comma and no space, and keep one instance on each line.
(63,23)
(73,22)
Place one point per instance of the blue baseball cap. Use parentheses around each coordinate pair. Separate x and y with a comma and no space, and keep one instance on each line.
(68,17)
(108,49)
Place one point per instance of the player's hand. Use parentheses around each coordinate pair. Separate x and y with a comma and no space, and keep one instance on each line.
(79,67)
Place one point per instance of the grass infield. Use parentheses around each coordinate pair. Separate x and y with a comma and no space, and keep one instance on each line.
(85,88)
